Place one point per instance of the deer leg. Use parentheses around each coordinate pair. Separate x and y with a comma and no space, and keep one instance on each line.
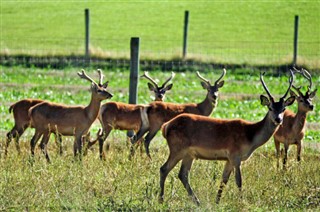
(133,148)
(298,150)
(34,141)
(164,171)
(43,145)
(237,164)
(88,144)
(10,135)
(148,139)
(17,144)
(277,145)
(77,145)
(58,140)
(91,143)
(15,133)
(101,141)
(18,135)
(139,135)
(184,177)
(141,146)
(286,147)
(143,128)
(225,177)
(130,134)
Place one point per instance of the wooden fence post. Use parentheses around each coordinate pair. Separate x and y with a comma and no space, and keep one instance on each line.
(295,39)
(134,73)
(87,39)
(185,34)
(134,70)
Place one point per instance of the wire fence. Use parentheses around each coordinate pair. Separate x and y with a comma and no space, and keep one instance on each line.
(164,53)
(117,53)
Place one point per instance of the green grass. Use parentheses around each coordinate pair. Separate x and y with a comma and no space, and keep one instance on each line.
(123,184)
(237,96)
(243,32)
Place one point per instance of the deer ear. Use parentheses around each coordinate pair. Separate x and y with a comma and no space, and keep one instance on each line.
(151,87)
(290,101)
(220,84)
(264,100)
(168,87)
(204,85)
(105,85)
(94,87)
(313,93)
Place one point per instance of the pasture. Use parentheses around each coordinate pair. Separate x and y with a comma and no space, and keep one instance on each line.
(244,32)
(122,184)
(230,34)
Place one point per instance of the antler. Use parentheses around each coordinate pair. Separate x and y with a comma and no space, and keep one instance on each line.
(145,74)
(100,76)
(216,82)
(306,75)
(83,75)
(264,85)
(267,90)
(222,75)
(202,78)
(290,84)
(170,78)
(298,90)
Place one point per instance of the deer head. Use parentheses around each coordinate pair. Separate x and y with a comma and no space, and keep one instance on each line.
(159,91)
(99,90)
(304,100)
(212,89)
(276,109)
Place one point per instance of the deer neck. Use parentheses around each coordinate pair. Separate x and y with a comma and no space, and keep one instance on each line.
(299,120)
(263,131)
(206,106)
(93,108)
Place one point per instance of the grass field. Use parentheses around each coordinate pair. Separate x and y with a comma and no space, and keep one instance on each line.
(234,32)
(122,184)
(243,32)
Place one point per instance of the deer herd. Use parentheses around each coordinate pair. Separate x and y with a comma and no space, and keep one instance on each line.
(188,128)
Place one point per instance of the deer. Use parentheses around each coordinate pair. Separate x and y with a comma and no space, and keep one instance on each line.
(22,122)
(192,136)
(160,112)
(21,119)
(123,116)
(48,117)
(293,128)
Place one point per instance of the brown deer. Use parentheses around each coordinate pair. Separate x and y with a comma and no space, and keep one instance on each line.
(160,112)
(293,127)
(122,116)
(22,121)
(75,121)
(191,136)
